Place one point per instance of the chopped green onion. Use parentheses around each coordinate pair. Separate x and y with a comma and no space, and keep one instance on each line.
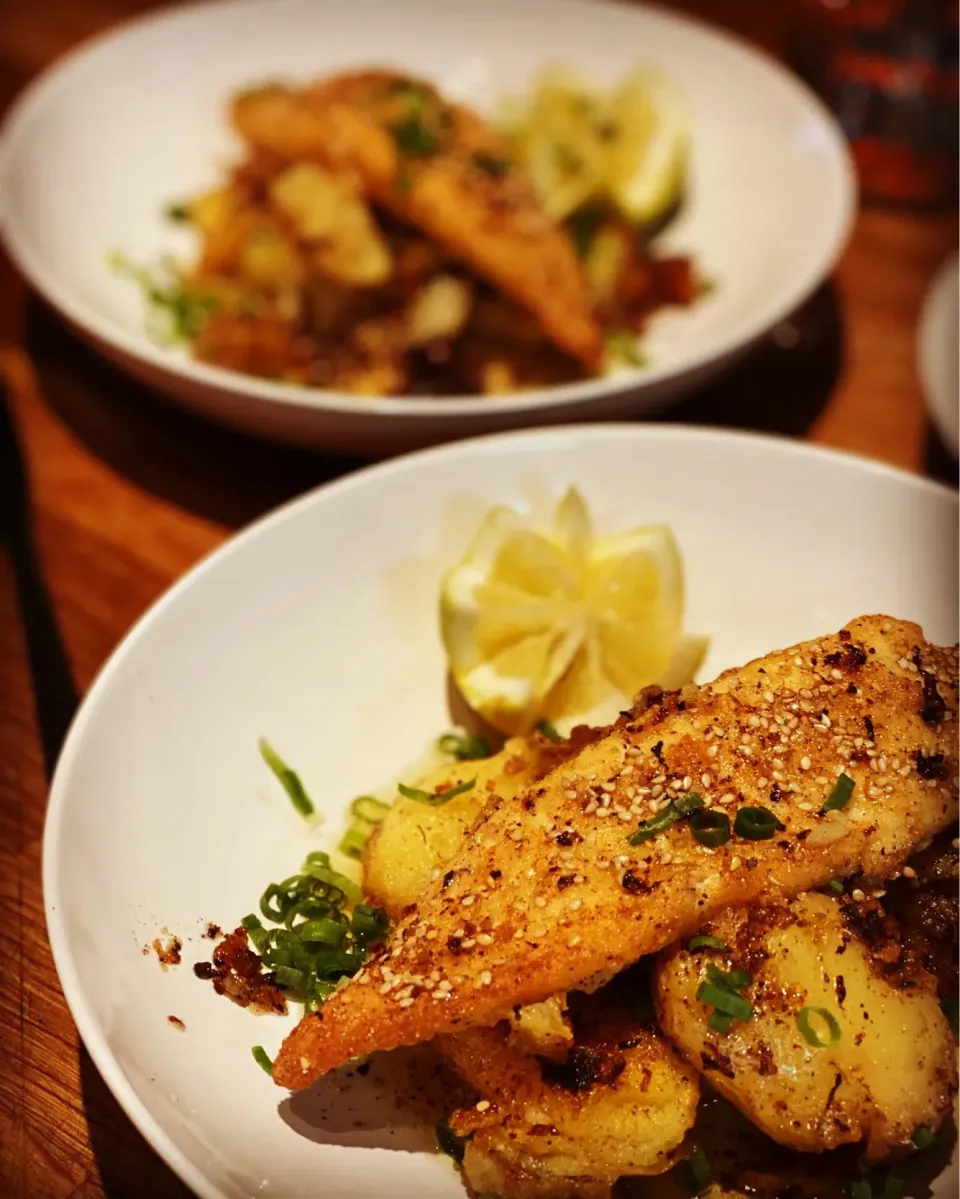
(839,797)
(179,213)
(666,817)
(858,1188)
(175,313)
(467,747)
(734,980)
(369,923)
(727,1002)
(354,842)
(699,1169)
(549,730)
(755,824)
(413,138)
(836,886)
(923,1137)
(622,347)
(810,1034)
(720,1023)
(710,828)
(322,932)
(496,166)
(440,797)
(892,1187)
(707,943)
(448,1141)
(289,779)
(260,1057)
(368,809)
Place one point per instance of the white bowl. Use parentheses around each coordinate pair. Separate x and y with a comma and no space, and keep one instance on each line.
(317,628)
(100,144)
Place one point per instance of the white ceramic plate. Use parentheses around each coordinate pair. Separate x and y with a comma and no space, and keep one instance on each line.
(96,149)
(938,344)
(317,628)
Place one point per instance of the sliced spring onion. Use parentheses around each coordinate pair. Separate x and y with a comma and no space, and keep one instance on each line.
(727,1002)
(858,1188)
(448,1141)
(810,1034)
(178,213)
(836,886)
(699,1169)
(368,923)
(322,932)
(467,748)
(839,797)
(923,1137)
(549,730)
(710,828)
(289,779)
(707,943)
(440,797)
(354,842)
(733,980)
(368,809)
(755,824)
(414,139)
(720,1023)
(892,1187)
(666,817)
(260,1057)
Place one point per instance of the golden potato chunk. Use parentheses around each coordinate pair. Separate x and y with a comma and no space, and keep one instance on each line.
(838,1049)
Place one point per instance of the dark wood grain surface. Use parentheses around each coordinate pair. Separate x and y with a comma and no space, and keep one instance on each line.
(128,492)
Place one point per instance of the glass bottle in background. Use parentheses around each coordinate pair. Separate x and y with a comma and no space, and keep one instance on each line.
(888,69)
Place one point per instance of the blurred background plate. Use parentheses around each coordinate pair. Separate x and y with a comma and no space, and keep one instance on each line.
(98,146)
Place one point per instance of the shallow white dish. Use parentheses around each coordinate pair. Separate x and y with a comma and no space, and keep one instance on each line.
(96,149)
(317,628)
(938,344)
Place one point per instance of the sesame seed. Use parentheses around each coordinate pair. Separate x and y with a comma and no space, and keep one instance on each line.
(712,751)
(705,780)
(754,722)
(539,931)
(909,872)
(574,941)
(666,857)
(590,808)
(687,782)
(656,791)
(734,863)
(728,798)
(468,943)
(805,807)
(603,811)
(805,763)
(762,781)
(408,1002)
(608,787)
(576,904)
(769,696)
(540,902)
(483,1105)
(836,674)
(570,794)
(857,894)
(486,978)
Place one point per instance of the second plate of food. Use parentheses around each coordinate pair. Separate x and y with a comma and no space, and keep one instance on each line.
(369,227)
(334,686)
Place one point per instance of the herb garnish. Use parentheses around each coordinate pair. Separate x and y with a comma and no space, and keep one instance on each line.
(435,798)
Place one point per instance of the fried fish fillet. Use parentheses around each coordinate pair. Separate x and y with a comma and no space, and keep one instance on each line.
(439,167)
(553,894)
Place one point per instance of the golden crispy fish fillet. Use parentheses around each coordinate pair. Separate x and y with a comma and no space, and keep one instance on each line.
(438,167)
(552,893)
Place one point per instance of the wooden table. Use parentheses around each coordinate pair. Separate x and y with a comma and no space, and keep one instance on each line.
(129,492)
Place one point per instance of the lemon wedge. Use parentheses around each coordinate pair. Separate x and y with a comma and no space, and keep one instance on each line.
(646,166)
(547,625)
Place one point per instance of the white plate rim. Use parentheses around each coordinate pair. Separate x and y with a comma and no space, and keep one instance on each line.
(73,991)
(939,305)
(83,316)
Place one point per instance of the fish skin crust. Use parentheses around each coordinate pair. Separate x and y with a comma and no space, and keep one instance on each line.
(492,222)
(566,898)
